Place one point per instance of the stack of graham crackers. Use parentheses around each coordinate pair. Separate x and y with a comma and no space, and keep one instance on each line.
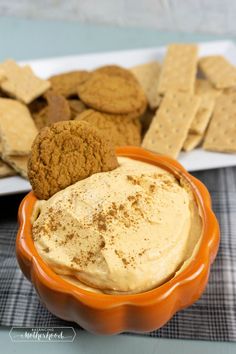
(189,110)
(19,87)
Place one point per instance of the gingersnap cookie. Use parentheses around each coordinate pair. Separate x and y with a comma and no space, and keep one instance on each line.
(58,107)
(134,114)
(50,109)
(37,105)
(76,107)
(38,111)
(65,153)
(41,118)
(113,127)
(115,70)
(112,94)
(66,84)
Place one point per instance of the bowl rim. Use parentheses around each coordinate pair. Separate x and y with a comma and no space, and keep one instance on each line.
(204,257)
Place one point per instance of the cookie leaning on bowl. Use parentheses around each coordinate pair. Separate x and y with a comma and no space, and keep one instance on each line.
(65,153)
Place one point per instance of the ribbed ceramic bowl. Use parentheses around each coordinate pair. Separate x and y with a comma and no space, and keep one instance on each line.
(110,314)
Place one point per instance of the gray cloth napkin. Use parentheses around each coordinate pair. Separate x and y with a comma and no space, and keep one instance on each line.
(213,317)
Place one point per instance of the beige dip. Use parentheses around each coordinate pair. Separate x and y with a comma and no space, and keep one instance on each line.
(124,231)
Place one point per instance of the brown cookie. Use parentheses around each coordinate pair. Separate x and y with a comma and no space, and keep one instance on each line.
(41,118)
(37,105)
(113,127)
(115,70)
(50,109)
(66,84)
(112,94)
(58,107)
(65,153)
(76,107)
(135,114)
(38,111)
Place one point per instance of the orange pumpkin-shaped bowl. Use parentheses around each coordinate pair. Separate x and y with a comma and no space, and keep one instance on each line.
(110,314)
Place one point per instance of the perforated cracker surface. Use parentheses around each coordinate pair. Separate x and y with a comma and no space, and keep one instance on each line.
(170,125)
(21,83)
(203,114)
(17,129)
(221,135)
(148,77)
(179,69)
(219,71)
(192,141)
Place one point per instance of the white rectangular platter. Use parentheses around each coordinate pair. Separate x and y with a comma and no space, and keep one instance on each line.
(195,160)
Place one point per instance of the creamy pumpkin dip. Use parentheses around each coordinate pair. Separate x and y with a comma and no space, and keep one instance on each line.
(123,231)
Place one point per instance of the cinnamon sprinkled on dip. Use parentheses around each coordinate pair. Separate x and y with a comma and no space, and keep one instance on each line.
(123,231)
